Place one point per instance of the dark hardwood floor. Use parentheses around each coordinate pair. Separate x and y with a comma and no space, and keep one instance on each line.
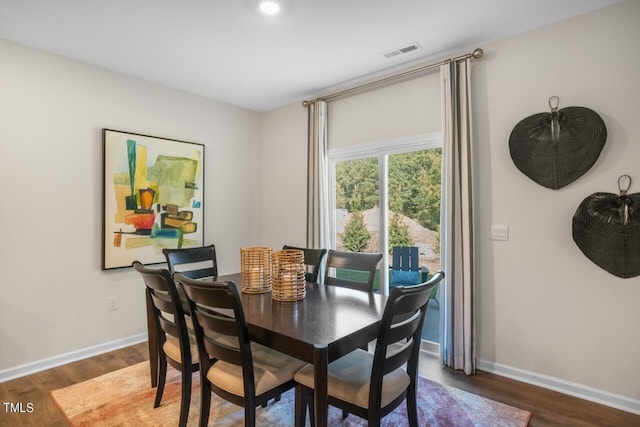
(549,408)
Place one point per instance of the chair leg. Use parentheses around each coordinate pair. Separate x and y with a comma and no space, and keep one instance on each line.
(300,407)
(374,419)
(205,400)
(412,405)
(249,416)
(162,376)
(185,400)
(311,405)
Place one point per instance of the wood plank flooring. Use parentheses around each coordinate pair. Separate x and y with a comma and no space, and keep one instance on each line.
(549,408)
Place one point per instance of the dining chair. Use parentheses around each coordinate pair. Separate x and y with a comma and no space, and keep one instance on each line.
(194,263)
(353,266)
(372,385)
(245,373)
(174,343)
(313,261)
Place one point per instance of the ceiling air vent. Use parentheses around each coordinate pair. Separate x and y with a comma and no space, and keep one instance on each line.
(401,50)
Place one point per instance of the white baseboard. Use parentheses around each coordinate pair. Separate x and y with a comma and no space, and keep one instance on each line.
(430,348)
(62,359)
(562,386)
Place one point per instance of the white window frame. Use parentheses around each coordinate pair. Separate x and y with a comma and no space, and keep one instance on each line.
(381,150)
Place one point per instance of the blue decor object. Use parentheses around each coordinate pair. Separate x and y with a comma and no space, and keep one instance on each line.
(402,277)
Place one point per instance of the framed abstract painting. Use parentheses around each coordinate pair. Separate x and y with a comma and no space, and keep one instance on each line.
(153,197)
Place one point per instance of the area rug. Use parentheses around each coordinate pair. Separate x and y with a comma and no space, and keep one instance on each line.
(125,398)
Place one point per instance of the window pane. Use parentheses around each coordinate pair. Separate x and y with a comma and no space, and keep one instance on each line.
(357,208)
(413,204)
(414,218)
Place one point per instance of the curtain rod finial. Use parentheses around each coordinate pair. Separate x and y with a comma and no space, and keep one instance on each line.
(477,53)
(305,103)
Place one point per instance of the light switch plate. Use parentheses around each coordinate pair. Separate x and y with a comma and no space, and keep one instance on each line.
(500,232)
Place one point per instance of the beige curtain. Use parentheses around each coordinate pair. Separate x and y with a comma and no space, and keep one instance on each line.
(457,308)
(317,177)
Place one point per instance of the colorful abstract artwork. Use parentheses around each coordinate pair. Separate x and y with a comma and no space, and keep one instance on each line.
(153,197)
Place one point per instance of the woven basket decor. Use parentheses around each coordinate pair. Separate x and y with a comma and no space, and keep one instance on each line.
(606,228)
(288,275)
(255,270)
(554,149)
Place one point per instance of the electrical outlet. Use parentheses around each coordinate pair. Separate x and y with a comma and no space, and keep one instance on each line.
(499,232)
(112,303)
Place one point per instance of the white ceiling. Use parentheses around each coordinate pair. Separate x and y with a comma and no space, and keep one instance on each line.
(225,50)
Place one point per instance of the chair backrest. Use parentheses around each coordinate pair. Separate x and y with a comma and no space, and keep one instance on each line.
(400,332)
(353,263)
(313,259)
(405,267)
(168,312)
(210,304)
(194,263)
(405,258)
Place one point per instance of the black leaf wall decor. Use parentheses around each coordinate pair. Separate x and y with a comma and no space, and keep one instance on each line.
(606,228)
(556,148)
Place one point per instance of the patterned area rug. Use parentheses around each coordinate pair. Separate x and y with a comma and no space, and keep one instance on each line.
(125,397)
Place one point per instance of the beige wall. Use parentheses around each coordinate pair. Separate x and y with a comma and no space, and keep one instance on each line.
(542,305)
(283,179)
(53,295)
(545,313)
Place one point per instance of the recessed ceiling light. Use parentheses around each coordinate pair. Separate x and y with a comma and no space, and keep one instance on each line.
(269,7)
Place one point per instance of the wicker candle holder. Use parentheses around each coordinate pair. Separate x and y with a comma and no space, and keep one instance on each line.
(288,275)
(255,270)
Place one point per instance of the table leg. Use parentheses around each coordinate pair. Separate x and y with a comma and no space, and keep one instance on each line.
(152,340)
(320,375)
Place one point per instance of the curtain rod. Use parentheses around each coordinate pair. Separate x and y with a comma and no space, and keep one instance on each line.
(476,54)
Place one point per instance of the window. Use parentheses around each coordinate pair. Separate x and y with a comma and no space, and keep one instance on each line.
(387,194)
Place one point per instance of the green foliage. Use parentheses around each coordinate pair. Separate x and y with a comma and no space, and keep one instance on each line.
(398,233)
(414,185)
(356,236)
(357,184)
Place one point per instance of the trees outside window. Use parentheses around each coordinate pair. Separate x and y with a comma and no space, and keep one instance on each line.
(414,191)
(390,196)
(356,237)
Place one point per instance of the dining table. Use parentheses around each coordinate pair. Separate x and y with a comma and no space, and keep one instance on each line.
(328,323)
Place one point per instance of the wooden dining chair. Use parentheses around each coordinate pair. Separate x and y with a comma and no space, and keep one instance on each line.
(373,385)
(313,261)
(245,373)
(174,343)
(357,270)
(194,263)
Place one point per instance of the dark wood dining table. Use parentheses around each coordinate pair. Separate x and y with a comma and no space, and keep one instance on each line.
(327,324)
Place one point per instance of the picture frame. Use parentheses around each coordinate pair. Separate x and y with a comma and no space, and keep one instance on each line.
(153,197)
